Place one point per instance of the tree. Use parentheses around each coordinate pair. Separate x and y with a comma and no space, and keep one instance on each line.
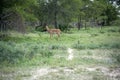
(12,14)
(57,11)
(111,14)
(116,1)
(109,11)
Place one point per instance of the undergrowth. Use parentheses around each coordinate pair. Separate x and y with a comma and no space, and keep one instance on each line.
(33,47)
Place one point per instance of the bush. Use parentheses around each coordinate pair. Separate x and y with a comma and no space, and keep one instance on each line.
(83,46)
(112,30)
(114,45)
(93,35)
(3,36)
(79,46)
(111,45)
(102,32)
(93,46)
(40,28)
(46,53)
(115,23)
(64,27)
(116,56)
(9,54)
(13,53)
(53,47)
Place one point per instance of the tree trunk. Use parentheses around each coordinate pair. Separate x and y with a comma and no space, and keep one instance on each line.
(55,19)
(55,13)
(79,22)
(85,23)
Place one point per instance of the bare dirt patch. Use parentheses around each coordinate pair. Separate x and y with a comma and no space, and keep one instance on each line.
(70,54)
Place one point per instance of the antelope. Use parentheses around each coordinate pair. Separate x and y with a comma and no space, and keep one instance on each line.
(53,31)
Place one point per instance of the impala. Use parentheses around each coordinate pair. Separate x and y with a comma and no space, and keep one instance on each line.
(53,31)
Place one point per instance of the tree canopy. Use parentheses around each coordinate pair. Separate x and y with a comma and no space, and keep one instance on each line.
(55,12)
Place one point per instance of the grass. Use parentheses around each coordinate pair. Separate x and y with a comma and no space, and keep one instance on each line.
(92,48)
(18,46)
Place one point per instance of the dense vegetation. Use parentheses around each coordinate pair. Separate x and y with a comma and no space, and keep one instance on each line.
(19,48)
(94,47)
(90,38)
(22,15)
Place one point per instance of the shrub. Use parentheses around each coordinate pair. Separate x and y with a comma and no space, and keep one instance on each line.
(116,22)
(83,46)
(40,28)
(119,30)
(110,45)
(79,46)
(93,46)
(114,45)
(102,32)
(13,53)
(116,56)
(93,35)
(64,27)
(57,47)
(112,30)
(4,36)
(9,54)
(46,53)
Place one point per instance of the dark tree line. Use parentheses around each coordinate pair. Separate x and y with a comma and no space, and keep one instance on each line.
(59,13)
(12,14)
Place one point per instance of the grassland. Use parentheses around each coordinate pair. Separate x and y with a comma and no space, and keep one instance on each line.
(34,56)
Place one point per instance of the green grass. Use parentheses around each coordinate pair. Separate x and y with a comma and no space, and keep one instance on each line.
(92,47)
(18,47)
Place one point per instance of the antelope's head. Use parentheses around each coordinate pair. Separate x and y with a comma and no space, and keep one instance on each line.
(47,28)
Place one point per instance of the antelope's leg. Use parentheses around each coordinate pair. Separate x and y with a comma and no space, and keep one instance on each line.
(51,35)
(58,34)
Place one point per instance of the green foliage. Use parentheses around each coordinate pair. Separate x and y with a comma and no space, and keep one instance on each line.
(64,27)
(3,36)
(106,38)
(116,57)
(40,28)
(93,50)
(110,46)
(8,53)
(113,29)
(34,47)
(116,22)
(12,53)
(97,46)
(56,11)
(93,35)
(15,13)
(58,47)
(46,53)
(83,46)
